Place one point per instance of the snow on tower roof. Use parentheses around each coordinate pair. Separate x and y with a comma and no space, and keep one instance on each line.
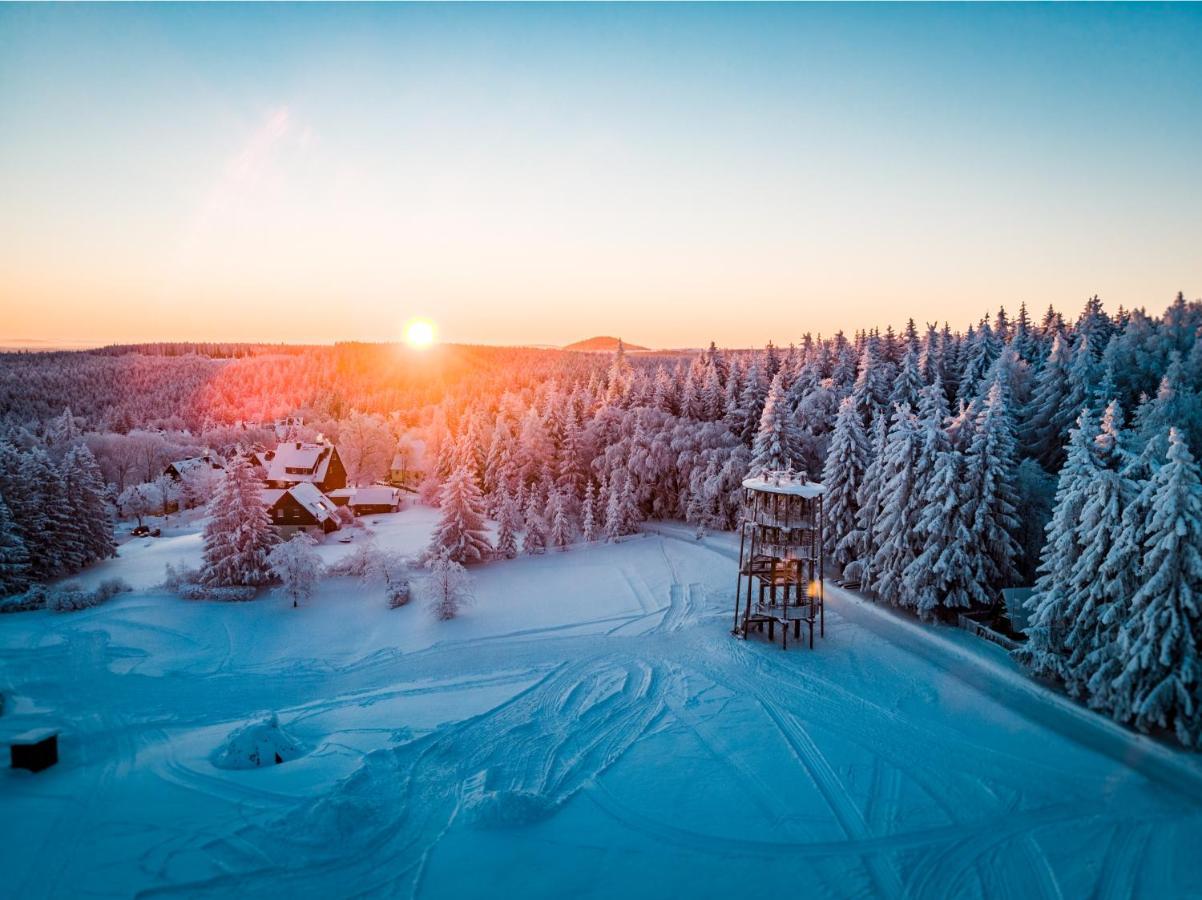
(785,482)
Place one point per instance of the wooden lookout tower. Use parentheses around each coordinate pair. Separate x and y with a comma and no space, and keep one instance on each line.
(780,557)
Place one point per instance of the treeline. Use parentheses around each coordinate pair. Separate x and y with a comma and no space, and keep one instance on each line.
(169,387)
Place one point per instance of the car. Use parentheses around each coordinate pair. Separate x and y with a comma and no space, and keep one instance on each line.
(139,531)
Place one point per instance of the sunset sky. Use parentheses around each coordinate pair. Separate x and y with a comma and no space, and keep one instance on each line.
(540,174)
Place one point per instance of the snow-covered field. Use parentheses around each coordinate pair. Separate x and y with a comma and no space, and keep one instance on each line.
(587,728)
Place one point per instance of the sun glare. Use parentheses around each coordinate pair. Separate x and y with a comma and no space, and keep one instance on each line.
(419,333)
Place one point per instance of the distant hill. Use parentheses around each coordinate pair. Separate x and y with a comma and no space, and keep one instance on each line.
(603,344)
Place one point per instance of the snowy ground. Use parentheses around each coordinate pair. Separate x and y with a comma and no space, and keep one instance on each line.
(588,728)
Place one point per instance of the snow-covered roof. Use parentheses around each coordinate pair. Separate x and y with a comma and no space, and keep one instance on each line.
(372,495)
(271,496)
(183,466)
(375,495)
(317,503)
(785,483)
(300,462)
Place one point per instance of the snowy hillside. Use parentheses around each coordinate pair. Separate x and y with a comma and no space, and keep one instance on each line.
(586,727)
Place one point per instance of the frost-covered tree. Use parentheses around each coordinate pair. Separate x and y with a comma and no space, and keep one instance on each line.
(989,483)
(91,518)
(461,531)
(871,388)
(448,587)
(1051,600)
(1122,573)
(1043,431)
(298,567)
(777,441)
(560,534)
(238,534)
(1092,586)
(621,513)
(138,501)
(909,381)
(14,557)
(534,541)
(1161,683)
(508,525)
(588,515)
(844,471)
(893,533)
(860,543)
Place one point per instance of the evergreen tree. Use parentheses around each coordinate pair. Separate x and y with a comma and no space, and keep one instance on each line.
(14,558)
(561,532)
(91,519)
(871,389)
(861,540)
(1161,684)
(989,483)
(238,534)
(941,574)
(893,530)
(843,474)
(534,541)
(508,525)
(461,532)
(1043,427)
(909,380)
(1092,586)
(1122,573)
(588,517)
(621,513)
(777,443)
(1051,600)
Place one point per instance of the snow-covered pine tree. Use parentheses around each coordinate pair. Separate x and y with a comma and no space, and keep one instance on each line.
(1123,571)
(460,531)
(989,483)
(1161,684)
(777,442)
(621,514)
(1042,431)
(448,587)
(561,531)
(909,380)
(45,518)
(1045,650)
(1092,587)
(14,558)
(91,519)
(238,534)
(871,388)
(844,471)
(893,532)
(508,526)
(588,515)
(860,542)
(534,541)
(751,402)
(298,567)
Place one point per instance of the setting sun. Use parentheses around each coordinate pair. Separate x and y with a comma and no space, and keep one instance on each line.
(419,333)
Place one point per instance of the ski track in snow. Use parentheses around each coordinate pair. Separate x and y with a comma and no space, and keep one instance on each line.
(878,793)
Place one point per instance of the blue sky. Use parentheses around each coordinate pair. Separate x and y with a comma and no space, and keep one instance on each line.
(541,173)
